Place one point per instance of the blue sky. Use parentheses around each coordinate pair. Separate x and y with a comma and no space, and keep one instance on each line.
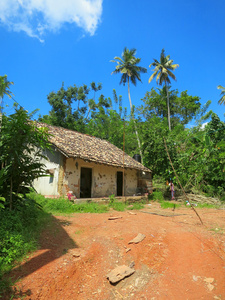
(45,43)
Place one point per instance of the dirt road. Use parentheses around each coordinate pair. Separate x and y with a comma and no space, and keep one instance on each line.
(178,259)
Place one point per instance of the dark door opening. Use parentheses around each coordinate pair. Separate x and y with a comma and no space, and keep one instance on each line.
(85,182)
(119,182)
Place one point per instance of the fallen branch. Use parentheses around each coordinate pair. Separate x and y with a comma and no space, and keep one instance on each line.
(114,218)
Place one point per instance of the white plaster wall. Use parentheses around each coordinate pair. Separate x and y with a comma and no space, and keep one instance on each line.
(104,179)
(48,186)
(131,182)
(71,180)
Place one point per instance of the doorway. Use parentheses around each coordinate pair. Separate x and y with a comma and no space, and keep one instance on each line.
(85,182)
(119,183)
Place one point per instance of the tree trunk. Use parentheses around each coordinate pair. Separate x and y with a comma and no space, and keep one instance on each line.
(135,126)
(168,106)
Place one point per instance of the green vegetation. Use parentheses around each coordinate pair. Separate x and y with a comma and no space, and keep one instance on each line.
(128,67)
(207,205)
(222,99)
(162,73)
(119,206)
(156,196)
(19,234)
(122,206)
(218,230)
(136,205)
(197,153)
(21,145)
(64,206)
(167,204)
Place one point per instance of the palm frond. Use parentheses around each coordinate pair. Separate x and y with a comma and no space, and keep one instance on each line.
(163,69)
(222,99)
(152,76)
(128,66)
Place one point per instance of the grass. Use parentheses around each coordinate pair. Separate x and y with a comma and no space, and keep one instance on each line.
(122,206)
(207,205)
(64,206)
(118,206)
(218,230)
(136,206)
(167,204)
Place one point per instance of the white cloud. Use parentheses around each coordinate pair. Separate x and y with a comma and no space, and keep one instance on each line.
(203,125)
(35,17)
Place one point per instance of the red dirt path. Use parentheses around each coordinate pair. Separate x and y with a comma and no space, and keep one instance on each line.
(178,259)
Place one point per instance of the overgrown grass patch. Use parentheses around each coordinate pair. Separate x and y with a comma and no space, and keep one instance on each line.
(119,206)
(122,206)
(167,204)
(64,206)
(207,205)
(135,206)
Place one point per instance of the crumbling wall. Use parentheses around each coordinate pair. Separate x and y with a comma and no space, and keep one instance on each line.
(104,178)
(49,185)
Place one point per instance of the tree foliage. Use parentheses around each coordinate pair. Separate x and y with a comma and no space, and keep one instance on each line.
(162,71)
(95,115)
(21,145)
(222,99)
(183,107)
(197,153)
(4,87)
(128,67)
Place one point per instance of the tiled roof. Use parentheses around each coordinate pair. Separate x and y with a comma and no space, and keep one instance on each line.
(78,145)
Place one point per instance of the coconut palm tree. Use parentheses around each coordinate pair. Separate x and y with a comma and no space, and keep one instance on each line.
(163,71)
(127,65)
(222,99)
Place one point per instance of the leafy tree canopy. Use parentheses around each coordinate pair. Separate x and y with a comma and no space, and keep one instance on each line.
(182,107)
(71,106)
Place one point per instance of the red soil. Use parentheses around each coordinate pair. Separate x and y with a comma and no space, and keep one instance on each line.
(178,259)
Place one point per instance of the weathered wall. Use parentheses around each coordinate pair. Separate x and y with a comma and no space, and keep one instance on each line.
(66,177)
(104,178)
(48,185)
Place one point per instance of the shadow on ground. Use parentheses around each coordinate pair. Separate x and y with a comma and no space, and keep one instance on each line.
(54,243)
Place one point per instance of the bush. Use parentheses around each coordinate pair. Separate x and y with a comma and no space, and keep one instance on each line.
(156,196)
(112,199)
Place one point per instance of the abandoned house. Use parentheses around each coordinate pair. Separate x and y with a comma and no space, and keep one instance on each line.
(89,167)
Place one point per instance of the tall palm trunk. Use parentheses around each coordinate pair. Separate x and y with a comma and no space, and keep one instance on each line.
(168,105)
(135,125)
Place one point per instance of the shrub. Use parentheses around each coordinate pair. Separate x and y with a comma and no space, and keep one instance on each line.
(156,196)
(112,199)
